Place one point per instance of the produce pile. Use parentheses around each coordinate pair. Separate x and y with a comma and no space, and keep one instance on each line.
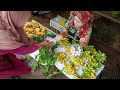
(81,63)
(34,29)
(46,60)
(40,33)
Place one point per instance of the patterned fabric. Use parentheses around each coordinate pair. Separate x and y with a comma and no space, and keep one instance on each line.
(80,23)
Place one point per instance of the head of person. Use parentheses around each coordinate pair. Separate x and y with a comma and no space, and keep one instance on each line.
(79,18)
(11,23)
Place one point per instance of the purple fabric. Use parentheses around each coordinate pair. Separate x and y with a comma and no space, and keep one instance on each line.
(12,66)
(23,50)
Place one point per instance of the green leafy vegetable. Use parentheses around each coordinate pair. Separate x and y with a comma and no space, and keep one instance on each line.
(46,59)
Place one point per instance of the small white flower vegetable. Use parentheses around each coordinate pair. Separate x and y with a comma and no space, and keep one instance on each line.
(78,47)
(72,47)
(77,51)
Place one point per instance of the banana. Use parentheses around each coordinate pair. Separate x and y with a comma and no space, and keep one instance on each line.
(61,57)
(69,69)
(34,28)
(63,42)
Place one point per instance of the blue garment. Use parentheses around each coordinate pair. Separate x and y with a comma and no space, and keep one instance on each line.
(40,12)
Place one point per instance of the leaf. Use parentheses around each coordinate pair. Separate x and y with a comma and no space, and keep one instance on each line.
(47,69)
(42,66)
(40,61)
(28,57)
(54,73)
(35,66)
(54,60)
(89,48)
(36,56)
(47,57)
(74,42)
(50,75)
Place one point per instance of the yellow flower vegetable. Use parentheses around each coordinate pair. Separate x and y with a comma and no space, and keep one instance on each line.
(33,28)
(61,57)
(69,69)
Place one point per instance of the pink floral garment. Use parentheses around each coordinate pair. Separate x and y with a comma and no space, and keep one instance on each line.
(82,20)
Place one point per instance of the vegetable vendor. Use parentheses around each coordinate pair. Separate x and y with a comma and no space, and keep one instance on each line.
(80,24)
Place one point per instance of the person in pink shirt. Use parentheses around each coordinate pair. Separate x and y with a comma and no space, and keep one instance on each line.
(13,40)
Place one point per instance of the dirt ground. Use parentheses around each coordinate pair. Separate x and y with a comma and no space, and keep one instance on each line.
(105,37)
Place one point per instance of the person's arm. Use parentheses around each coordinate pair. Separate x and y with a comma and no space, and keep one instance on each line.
(27,49)
(64,32)
(44,43)
(84,41)
(24,38)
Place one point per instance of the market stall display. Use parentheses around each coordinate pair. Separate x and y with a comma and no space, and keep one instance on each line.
(83,65)
(69,57)
(37,31)
(59,23)
(40,33)
(33,28)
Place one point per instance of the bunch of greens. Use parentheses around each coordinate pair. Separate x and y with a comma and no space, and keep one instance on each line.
(90,60)
(47,56)
(40,39)
(99,56)
(115,13)
(46,60)
(95,59)
(37,38)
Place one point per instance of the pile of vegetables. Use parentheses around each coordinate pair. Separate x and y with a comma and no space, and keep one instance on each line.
(46,60)
(63,42)
(89,61)
(39,39)
(33,28)
(47,56)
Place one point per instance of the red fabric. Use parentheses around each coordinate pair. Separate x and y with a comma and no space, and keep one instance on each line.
(84,16)
(23,50)
(11,66)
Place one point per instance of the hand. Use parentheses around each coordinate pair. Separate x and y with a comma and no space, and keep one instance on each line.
(32,41)
(64,32)
(84,42)
(71,23)
(45,43)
